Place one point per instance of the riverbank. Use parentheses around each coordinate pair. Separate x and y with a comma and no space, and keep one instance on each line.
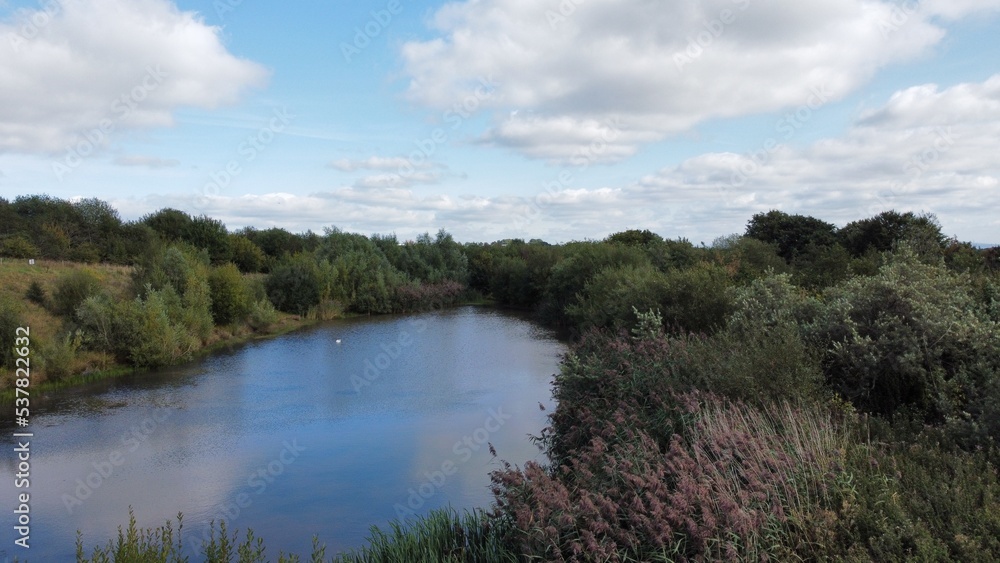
(17,276)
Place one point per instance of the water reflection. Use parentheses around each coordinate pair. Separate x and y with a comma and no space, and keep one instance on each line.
(295,436)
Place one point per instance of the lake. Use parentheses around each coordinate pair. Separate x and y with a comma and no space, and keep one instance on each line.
(293,436)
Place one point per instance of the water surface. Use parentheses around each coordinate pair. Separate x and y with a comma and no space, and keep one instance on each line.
(294,436)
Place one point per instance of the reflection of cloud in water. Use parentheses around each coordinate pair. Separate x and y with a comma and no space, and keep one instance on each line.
(232,414)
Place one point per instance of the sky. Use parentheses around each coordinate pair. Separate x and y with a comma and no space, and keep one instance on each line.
(553,119)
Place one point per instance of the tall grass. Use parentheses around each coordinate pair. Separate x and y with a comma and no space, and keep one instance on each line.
(441,536)
(736,482)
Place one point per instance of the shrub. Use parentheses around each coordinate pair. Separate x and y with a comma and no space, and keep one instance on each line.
(58,357)
(697,298)
(912,336)
(71,289)
(417,296)
(247,256)
(611,296)
(140,332)
(230,297)
(36,293)
(262,315)
(294,285)
(18,246)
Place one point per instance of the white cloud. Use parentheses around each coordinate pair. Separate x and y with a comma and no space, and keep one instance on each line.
(374,163)
(396,172)
(90,69)
(398,180)
(146,161)
(655,68)
(954,9)
(921,151)
(926,149)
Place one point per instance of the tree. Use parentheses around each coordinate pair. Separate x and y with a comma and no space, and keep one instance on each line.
(171,224)
(885,230)
(101,227)
(210,234)
(634,237)
(247,256)
(295,284)
(231,300)
(18,246)
(611,297)
(275,242)
(791,234)
(911,336)
(570,275)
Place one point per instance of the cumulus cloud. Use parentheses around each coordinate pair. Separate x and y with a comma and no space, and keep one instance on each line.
(90,69)
(926,149)
(655,69)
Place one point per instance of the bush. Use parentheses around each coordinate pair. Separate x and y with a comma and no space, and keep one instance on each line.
(140,332)
(71,290)
(262,315)
(18,246)
(58,357)
(36,294)
(229,295)
(295,284)
(247,256)
(697,299)
(912,337)
(609,298)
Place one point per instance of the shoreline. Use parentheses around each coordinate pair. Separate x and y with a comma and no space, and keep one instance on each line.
(286,326)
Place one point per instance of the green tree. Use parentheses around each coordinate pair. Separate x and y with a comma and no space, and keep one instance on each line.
(18,246)
(71,289)
(295,284)
(275,242)
(247,256)
(582,261)
(791,234)
(885,230)
(634,237)
(912,336)
(230,298)
(612,296)
(210,234)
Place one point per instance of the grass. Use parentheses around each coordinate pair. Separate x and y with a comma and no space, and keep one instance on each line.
(443,536)
(17,275)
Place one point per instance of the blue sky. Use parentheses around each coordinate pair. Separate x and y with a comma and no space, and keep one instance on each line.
(558,120)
